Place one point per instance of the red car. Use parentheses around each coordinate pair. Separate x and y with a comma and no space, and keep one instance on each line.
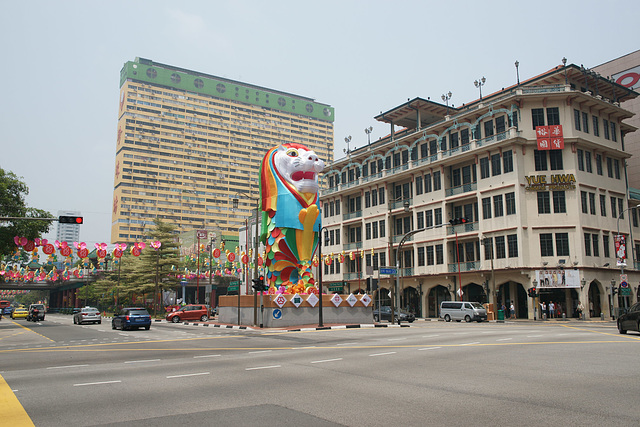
(190,312)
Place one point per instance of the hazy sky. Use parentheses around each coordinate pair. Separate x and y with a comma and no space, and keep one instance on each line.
(61,64)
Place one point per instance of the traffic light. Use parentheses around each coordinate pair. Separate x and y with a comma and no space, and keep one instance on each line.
(70,219)
(614,290)
(532,292)
(258,284)
(460,220)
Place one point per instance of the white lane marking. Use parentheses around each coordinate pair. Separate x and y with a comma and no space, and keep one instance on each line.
(207,355)
(188,375)
(142,361)
(346,343)
(396,339)
(97,383)
(263,367)
(382,354)
(67,366)
(430,336)
(327,360)
(504,339)
(261,351)
(429,348)
(471,343)
(534,336)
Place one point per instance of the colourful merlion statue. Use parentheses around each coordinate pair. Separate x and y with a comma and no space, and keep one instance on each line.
(290,216)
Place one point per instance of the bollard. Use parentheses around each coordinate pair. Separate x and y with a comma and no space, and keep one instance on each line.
(601,316)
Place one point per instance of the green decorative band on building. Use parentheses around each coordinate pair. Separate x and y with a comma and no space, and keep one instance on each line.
(146,71)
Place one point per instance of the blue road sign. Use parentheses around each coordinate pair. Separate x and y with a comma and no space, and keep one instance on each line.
(277,313)
(388,270)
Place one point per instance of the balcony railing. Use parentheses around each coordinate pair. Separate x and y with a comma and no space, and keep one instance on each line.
(406,272)
(351,215)
(464,188)
(353,276)
(399,203)
(397,239)
(464,266)
(464,228)
(351,246)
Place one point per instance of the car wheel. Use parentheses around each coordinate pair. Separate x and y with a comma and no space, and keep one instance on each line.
(621,329)
(175,319)
(204,318)
(447,318)
(99,322)
(75,322)
(113,325)
(147,327)
(467,318)
(123,327)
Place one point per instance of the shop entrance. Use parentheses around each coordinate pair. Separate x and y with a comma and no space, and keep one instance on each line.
(594,304)
(565,301)
(474,292)
(436,295)
(410,301)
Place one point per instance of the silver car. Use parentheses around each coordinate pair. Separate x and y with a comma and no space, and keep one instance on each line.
(87,315)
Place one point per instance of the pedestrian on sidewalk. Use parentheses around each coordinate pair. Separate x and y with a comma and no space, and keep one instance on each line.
(552,310)
(512,311)
(580,310)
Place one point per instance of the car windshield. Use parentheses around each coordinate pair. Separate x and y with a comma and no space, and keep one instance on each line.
(139,312)
(476,305)
(90,310)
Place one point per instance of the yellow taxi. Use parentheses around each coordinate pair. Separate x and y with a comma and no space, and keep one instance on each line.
(20,313)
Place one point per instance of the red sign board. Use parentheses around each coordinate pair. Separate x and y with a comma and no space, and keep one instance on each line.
(550,137)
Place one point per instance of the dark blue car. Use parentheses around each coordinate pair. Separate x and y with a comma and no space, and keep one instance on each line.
(131,318)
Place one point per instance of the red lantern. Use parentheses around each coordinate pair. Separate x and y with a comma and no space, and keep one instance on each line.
(216,253)
(65,251)
(117,253)
(102,253)
(29,246)
(245,259)
(135,251)
(48,249)
(83,253)
(231,257)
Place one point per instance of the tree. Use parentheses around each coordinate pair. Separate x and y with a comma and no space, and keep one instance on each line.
(12,204)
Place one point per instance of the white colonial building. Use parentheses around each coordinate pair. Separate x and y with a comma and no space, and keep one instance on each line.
(541,210)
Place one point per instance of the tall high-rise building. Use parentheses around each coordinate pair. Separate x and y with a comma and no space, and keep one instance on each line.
(68,232)
(190,145)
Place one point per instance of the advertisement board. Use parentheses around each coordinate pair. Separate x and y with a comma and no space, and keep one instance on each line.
(558,278)
(621,250)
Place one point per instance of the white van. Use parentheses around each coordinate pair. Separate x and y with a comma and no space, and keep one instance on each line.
(462,310)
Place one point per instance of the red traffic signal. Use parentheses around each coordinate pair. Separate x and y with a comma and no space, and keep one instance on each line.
(70,219)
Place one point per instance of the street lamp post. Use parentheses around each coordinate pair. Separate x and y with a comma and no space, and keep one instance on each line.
(391,205)
(156,245)
(517,64)
(255,253)
(347,150)
(446,97)
(564,64)
(368,132)
(398,261)
(619,241)
(479,84)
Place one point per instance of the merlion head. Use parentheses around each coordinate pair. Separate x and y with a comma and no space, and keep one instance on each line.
(299,166)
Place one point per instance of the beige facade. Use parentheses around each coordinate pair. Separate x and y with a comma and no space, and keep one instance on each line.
(190,145)
(530,212)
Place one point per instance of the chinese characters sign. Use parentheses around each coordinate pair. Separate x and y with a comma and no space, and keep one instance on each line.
(621,250)
(550,137)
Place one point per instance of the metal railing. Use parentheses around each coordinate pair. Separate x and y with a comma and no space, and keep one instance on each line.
(352,276)
(351,246)
(351,215)
(464,266)
(464,228)
(464,188)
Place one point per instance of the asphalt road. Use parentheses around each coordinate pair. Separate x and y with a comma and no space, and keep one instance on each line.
(432,373)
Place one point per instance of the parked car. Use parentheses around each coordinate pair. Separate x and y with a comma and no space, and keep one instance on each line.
(630,321)
(20,313)
(86,315)
(7,311)
(131,318)
(462,310)
(385,314)
(41,310)
(190,312)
